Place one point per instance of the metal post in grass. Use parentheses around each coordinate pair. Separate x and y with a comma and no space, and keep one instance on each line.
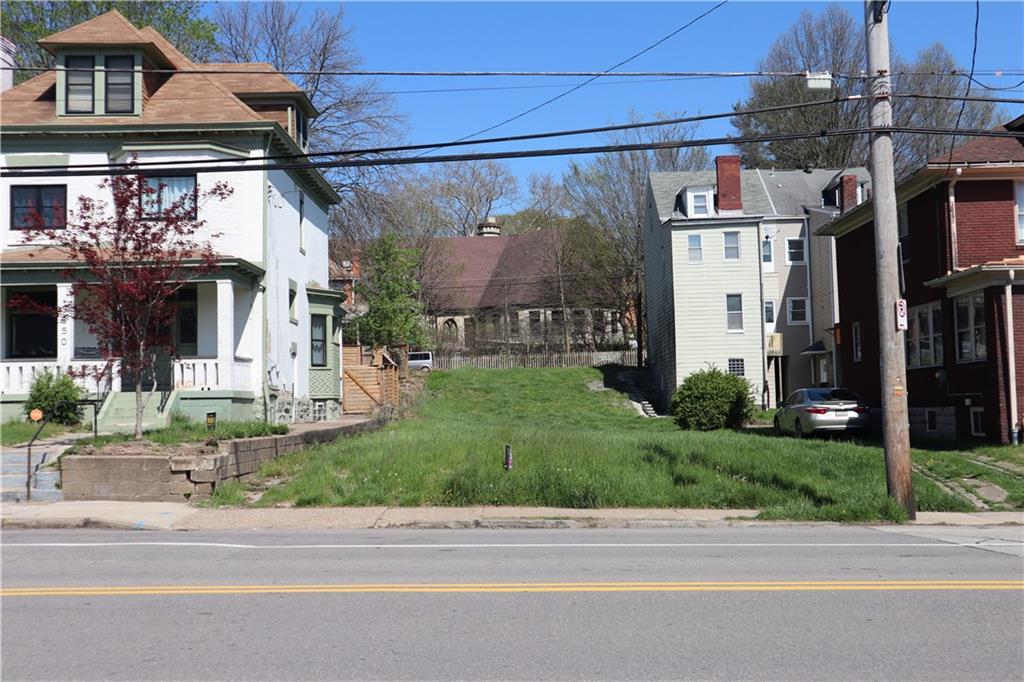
(508,457)
(35,415)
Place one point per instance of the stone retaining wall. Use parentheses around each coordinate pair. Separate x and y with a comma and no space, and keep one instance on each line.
(159,478)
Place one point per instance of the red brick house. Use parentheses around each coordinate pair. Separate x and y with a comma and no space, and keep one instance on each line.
(961,232)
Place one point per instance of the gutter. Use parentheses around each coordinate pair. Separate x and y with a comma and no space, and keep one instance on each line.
(1011,353)
(764,342)
(954,264)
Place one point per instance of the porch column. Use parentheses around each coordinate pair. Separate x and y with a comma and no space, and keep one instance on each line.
(225,331)
(65,328)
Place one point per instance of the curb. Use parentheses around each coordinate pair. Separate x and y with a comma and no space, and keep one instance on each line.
(71,522)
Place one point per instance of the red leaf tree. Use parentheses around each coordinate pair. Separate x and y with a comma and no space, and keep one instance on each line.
(127,258)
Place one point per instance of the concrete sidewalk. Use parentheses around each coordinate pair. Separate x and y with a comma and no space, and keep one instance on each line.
(169,515)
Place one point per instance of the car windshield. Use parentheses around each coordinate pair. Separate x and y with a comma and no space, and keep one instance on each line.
(816,395)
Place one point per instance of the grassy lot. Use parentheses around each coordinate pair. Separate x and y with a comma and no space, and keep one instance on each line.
(16,432)
(973,474)
(578,447)
(182,430)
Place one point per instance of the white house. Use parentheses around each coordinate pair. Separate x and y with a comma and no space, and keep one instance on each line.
(728,277)
(255,339)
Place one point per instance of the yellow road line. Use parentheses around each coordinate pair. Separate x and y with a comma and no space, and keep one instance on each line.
(445,588)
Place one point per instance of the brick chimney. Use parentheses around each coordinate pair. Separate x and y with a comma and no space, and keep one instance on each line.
(727,172)
(848,193)
(488,228)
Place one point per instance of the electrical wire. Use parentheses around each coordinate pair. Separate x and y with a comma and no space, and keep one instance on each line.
(963,105)
(532,153)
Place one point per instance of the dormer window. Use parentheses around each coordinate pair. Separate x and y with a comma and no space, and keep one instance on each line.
(120,84)
(698,202)
(80,84)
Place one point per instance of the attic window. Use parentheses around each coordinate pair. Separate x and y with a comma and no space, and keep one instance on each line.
(120,85)
(698,202)
(80,84)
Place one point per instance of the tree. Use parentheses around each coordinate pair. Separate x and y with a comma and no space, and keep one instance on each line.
(178,20)
(466,192)
(834,41)
(128,257)
(394,316)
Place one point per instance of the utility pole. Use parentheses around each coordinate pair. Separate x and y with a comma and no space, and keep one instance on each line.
(895,433)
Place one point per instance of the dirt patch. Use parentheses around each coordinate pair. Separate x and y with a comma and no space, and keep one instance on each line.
(144,448)
(596,385)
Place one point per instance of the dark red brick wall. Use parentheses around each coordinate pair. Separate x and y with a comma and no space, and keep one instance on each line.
(855,273)
(985,222)
(848,193)
(728,178)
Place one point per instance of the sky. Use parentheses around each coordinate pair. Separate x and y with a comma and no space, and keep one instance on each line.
(592,36)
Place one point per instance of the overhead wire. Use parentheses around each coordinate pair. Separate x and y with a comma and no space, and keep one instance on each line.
(974,57)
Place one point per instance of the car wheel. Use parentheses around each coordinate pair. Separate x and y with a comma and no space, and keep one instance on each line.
(778,427)
(424,369)
(798,429)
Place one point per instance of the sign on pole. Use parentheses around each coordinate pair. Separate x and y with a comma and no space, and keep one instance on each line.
(36,414)
(901,314)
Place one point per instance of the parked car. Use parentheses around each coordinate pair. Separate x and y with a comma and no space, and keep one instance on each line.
(421,360)
(811,410)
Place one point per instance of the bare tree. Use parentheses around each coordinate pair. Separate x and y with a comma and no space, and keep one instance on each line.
(467,192)
(548,203)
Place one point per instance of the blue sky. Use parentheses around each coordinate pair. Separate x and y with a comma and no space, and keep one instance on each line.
(595,35)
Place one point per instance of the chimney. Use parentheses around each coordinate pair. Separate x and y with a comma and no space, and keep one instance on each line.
(848,193)
(7,51)
(488,228)
(727,172)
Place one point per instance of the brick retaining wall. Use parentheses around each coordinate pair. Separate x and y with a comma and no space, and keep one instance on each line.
(162,478)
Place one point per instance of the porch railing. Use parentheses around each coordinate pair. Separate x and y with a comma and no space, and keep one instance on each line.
(16,376)
(213,374)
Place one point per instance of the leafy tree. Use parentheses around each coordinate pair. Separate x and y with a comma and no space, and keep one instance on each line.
(127,269)
(26,22)
(834,41)
(394,316)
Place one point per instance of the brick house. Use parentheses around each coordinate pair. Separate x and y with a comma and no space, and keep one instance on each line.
(962,251)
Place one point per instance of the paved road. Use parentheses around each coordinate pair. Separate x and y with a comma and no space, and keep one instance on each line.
(778,602)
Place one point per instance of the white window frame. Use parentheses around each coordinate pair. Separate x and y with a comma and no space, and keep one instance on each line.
(742,367)
(1018,193)
(691,211)
(789,311)
(690,247)
(803,250)
(726,247)
(775,313)
(979,411)
(768,265)
(855,339)
(913,335)
(934,412)
(971,328)
(740,330)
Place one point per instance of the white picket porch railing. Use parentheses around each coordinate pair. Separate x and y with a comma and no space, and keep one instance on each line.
(16,376)
(213,374)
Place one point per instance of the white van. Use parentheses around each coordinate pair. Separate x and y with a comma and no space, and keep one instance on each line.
(421,360)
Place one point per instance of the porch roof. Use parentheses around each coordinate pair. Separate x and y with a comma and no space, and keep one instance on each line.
(982,275)
(43,258)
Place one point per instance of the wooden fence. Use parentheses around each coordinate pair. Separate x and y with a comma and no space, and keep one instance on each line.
(447,361)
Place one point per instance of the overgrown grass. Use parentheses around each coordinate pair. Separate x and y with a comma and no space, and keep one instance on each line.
(17,432)
(574,447)
(182,430)
(1014,454)
(952,465)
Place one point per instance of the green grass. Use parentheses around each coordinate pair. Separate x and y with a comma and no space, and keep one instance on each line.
(952,465)
(1014,454)
(17,432)
(182,430)
(573,447)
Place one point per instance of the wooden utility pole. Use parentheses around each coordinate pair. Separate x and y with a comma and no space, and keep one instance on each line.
(895,432)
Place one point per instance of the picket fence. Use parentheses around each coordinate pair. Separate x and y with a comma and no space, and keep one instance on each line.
(447,361)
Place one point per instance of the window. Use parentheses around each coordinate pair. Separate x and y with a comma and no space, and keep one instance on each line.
(33,334)
(977,421)
(38,206)
(767,255)
(599,322)
(698,202)
(513,325)
(694,248)
(535,326)
(931,419)
(970,327)
(732,245)
(291,302)
(795,251)
(924,335)
(302,217)
(734,312)
(78,84)
(796,310)
(855,334)
(120,85)
(1019,187)
(736,366)
(187,321)
(318,337)
(169,192)
(769,312)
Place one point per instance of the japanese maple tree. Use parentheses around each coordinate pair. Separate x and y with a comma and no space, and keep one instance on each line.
(127,257)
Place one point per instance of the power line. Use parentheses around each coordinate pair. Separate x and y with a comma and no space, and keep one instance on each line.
(498,140)
(532,153)
(970,79)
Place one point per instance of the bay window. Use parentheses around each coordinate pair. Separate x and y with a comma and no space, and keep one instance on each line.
(924,335)
(318,337)
(970,327)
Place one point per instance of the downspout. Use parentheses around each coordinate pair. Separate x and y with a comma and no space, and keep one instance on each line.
(264,345)
(807,288)
(954,265)
(765,396)
(1011,354)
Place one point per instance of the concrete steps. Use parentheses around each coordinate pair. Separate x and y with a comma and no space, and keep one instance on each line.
(45,482)
(118,415)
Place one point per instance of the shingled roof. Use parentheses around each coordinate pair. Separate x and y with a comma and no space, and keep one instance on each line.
(981,150)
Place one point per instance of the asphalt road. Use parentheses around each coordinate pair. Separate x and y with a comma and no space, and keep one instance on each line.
(782,603)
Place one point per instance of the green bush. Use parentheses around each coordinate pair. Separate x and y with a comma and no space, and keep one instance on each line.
(56,395)
(712,399)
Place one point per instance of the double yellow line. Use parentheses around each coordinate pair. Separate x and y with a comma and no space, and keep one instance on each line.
(547,587)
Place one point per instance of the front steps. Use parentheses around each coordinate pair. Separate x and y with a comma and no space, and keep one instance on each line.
(118,414)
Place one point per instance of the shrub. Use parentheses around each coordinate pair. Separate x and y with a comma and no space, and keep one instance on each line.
(56,395)
(712,399)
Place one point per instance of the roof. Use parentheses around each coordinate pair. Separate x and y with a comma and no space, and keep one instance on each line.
(984,150)
(1005,265)
(468,273)
(49,257)
(764,192)
(109,28)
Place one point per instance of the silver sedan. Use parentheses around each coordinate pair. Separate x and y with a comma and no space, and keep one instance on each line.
(811,410)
